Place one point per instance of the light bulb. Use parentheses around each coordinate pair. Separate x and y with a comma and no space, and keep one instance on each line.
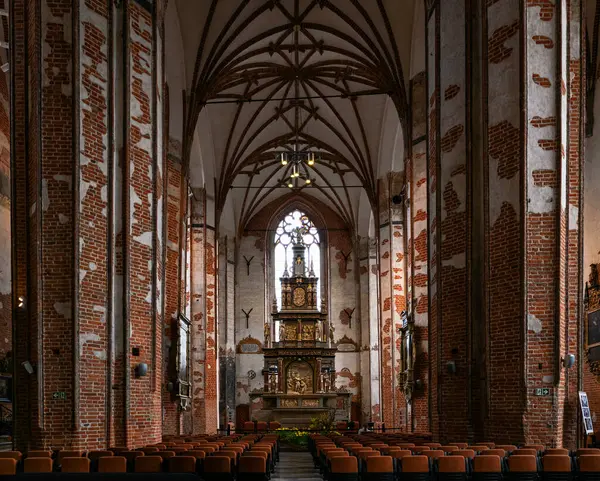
(290,185)
(283,161)
(311,159)
(307,181)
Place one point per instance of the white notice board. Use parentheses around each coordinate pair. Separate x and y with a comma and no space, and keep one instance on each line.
(586,415)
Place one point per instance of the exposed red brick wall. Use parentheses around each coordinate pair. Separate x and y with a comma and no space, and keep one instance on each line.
(71,329)
(55,244)
(203,266)
(175,190)
(92,224)
(433,229)
(144,423)
(575,83)
(503,336)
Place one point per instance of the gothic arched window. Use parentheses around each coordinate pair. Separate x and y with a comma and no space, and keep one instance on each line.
(294,226)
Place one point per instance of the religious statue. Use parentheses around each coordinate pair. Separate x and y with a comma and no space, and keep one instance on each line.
(326,382)
(273,382)
(331,331)
(281,331)
(267,334)
(318,331)
(296,383)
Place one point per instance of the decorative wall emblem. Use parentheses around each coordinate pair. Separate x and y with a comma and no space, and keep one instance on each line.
(310,403)
(345,344)
(249,345)
(299,297)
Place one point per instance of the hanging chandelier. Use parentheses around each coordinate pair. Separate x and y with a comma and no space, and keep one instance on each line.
(299,162)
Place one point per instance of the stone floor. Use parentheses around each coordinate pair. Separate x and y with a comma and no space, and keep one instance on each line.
(296,466)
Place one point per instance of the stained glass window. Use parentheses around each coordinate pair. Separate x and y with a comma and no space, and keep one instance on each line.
(294,226)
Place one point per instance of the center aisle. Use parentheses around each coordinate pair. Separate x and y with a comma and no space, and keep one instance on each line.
(294,466)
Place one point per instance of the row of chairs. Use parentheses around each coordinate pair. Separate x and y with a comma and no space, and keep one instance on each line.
(213,460)
(376,461)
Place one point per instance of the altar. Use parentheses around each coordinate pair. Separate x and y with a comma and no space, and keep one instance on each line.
(299,354)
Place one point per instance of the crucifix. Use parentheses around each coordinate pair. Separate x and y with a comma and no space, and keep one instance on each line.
(346,257)
(349,314)
(248,261)
(247,314)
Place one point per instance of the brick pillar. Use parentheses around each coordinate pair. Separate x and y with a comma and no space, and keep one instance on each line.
(393,297)
(71,103)
(365,334)
(575,82)
(449,206)
(529,246)
(418,304)
(532,198)
(203,332)
(226,331)
(177,200)
(373,339)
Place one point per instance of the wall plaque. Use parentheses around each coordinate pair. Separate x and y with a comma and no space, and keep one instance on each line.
(345,344)
(249,345)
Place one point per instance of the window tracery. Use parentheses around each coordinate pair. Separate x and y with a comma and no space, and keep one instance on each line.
(294,228)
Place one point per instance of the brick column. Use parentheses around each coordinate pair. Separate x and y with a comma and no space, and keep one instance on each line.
(365,334)
(418,303)
(392,290)
(203,331)
(449,206)
(226,331)
(532,199)
(373,339)
(69,217)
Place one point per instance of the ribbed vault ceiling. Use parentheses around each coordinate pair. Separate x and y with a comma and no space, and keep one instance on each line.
(274,75)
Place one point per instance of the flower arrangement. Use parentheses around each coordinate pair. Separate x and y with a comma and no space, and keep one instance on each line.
(293,437)
(297,439)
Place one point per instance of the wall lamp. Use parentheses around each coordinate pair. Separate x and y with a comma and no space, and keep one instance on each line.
(28,367)
(21,304)
(141,369)
(451,367)
(568,361)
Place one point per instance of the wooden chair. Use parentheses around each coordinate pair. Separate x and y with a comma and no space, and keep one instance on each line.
(114,464)
(148,464)
(522,468)
(37,465)
(451,468)
(415,468)
(182,464)
(556,467)
(344,469)
(75,465)
(8,466)
(252,468)
(379,468)
(487,468)
(217,468)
